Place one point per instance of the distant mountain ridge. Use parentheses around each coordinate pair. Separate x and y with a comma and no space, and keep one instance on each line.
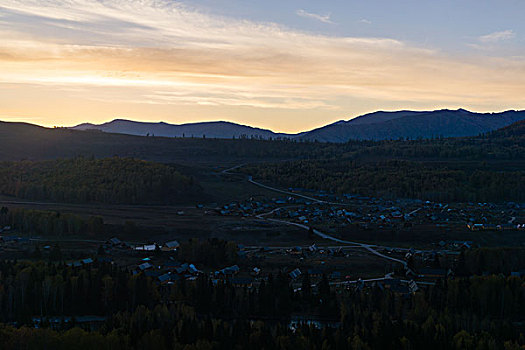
(373,126)
(218,129)
(412,125)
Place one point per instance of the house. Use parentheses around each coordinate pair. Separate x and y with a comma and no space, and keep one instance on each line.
(182,268)
(146,247)
(228,271)
(114,241)
(170,246)
(193,270)
(145,266)
(412,286)
(87,261)
(187,269)
(165,278)
(79,263)
(295,273)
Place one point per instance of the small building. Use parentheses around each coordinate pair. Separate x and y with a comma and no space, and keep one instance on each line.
(87,261)
(114,241)
(170,246)
(146,247)
(228,271)
(145,266)
(164,279)
(295,273)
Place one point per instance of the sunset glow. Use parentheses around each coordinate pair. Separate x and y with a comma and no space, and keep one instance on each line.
(63,64)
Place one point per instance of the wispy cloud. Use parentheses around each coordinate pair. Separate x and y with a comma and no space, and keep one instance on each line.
(497,36)
(316,16)
(365,21)
(161,58)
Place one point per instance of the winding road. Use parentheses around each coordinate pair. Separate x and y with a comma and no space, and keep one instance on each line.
(368,247)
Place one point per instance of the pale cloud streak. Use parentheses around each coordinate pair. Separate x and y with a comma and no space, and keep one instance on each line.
(114,56)
(316,16)
(497,36)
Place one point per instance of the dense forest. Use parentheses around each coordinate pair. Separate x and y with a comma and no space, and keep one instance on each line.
(462,313)
(483,168)
(436,181)
(83,180)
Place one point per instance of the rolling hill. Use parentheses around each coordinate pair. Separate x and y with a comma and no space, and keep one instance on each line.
(220,129)
(19,141)
(373,126)
(413,125)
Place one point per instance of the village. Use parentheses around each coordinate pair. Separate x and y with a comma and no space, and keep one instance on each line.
(347,248)
(370,212)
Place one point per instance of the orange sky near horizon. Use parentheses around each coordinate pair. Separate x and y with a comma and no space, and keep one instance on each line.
(159,61)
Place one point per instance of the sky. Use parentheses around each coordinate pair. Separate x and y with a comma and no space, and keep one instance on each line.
(287,65)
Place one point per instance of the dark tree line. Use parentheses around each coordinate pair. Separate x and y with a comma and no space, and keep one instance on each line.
(461,313)
(211,252)
(81,180)
(53,223)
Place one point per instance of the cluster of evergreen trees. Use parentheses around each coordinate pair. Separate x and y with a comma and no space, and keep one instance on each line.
(54,223)
(81,180)
(462,313)
(491,260)
(211,252)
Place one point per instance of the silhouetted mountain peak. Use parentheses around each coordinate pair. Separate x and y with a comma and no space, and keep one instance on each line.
(378,125)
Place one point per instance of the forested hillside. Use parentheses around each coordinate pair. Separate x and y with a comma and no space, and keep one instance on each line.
(82,180)
(516,131)
(475,181)
(485,168)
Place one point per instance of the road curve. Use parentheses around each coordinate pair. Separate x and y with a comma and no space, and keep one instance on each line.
(368,247)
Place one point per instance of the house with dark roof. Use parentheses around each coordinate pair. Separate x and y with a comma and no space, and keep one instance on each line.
(170,246)
(228,271)
(165,278)
(145,266)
